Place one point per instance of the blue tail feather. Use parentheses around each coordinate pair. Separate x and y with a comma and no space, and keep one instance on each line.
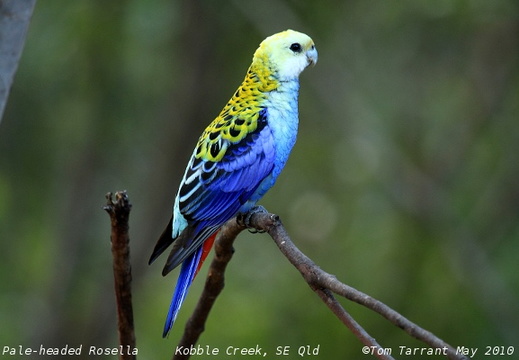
(185,278)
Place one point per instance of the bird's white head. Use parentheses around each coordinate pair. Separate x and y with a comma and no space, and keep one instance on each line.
(286,54)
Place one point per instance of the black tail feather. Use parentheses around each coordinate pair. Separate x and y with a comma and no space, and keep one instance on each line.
(164,242)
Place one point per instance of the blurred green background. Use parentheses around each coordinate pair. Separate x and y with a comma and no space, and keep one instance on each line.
(404,182)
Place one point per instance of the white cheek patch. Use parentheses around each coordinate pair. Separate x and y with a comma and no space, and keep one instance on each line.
(291,69)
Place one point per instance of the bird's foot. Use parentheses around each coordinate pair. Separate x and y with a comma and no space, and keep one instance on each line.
(244,219)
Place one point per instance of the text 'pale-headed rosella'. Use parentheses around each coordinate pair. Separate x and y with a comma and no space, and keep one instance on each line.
(238,157)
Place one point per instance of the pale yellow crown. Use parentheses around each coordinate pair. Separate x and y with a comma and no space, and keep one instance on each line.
(285,55)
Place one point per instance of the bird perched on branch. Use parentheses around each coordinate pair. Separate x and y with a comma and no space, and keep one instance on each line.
(237,158)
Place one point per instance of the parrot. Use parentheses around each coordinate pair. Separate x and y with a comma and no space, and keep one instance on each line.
(238,157)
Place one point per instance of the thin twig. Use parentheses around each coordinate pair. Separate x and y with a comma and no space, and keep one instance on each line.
(316,277)
(119,211)
(373,346)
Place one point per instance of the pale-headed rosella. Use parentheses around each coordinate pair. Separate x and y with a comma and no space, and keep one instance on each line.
(237,158)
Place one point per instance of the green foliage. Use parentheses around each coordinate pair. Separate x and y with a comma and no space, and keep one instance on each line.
(403,182)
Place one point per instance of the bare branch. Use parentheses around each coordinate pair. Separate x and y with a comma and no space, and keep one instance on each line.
(119,211)
(317,278)
(319,281)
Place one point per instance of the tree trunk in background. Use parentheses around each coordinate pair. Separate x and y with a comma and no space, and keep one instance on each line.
(14,22)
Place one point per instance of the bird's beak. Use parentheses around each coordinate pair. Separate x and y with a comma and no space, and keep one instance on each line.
(312,56)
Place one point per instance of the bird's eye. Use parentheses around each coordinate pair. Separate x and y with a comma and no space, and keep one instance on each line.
(296,47)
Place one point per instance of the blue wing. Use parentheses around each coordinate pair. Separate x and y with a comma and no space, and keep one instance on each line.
(212,192)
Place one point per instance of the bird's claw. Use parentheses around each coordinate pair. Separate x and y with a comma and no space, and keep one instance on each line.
(244,219)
